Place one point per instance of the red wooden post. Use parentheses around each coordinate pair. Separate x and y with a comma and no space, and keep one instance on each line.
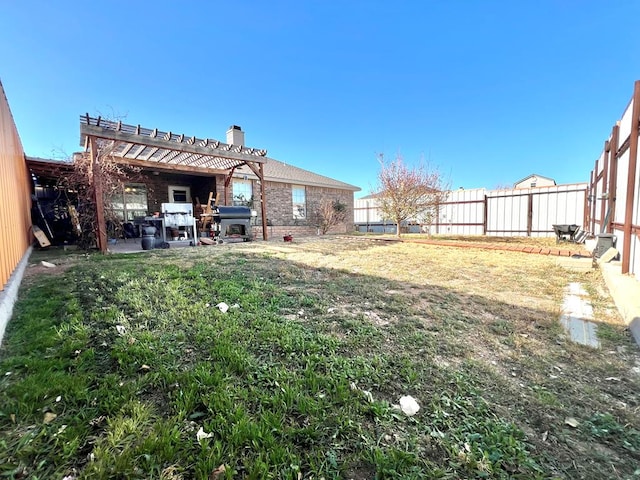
(605,179)
(593,195)
(529,214)
(613,176)
(263,204)
(485,215)
(631,178)
(101,227)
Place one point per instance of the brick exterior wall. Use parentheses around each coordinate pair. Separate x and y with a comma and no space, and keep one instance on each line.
(278,198)
(158,187)
(280,205)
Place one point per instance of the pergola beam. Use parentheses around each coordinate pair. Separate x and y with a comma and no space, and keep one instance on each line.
(171,167)
(188,155)
(162,144)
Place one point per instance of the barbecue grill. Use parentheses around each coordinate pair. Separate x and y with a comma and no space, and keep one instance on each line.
(232,223)
(178,218)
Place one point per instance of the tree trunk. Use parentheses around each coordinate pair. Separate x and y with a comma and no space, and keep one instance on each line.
(398,228)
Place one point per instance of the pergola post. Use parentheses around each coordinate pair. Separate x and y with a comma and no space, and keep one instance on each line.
(259,171)
(101,225)
(152,149)
(263,205)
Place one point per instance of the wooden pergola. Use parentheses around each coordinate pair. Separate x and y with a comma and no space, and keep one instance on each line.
(153,149)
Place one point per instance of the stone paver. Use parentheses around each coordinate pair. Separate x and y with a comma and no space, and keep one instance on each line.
(562,252)
(577,316)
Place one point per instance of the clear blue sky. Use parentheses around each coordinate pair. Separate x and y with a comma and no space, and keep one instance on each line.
(490,91)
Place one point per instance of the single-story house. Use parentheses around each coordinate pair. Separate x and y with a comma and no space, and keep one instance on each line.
(534,180)
(177,169)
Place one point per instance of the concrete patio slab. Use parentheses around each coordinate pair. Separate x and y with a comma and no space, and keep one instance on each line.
(625,290)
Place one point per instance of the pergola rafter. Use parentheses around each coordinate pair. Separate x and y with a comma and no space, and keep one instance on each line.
(154,149)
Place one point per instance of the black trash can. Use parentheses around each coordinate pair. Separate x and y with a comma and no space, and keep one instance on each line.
(148,237)
(605,242)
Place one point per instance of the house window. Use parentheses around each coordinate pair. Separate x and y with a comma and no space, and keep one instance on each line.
(179,194)
(533,184)
(131,202)
(299,200)
(242,193)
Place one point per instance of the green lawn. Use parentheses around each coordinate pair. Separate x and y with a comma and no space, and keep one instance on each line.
(112,365)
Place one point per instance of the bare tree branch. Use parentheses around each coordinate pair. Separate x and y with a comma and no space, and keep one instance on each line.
(328,213)
(114,176)
(409,192)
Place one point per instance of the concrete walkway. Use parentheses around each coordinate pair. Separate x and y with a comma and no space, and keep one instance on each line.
(625,291)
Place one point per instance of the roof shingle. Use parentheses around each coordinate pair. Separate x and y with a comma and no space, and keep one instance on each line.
(277,171)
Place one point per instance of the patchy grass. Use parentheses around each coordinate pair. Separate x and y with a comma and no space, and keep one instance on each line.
(111,368)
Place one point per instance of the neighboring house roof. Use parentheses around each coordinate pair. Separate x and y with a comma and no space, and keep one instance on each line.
(276,171)
(371,196)
(534,175)
(48,168)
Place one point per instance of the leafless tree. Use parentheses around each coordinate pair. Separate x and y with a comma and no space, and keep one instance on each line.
(81,181)
(406,192)
(328,213)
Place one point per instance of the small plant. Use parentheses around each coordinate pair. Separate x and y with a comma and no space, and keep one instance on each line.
(328,213)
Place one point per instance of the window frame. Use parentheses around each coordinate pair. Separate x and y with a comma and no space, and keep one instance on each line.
(299,202)
(247,188)
(123,206)
(177,188)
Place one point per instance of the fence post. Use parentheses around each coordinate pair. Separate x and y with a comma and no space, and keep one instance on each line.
(613,176)
(592,196)
(529,214)
(485,215)
(585,212)
(605,179)
(631,178)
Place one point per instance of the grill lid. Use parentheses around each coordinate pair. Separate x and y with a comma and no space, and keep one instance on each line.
(225,212)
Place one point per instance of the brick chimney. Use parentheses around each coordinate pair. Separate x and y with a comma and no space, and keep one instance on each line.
(235,135)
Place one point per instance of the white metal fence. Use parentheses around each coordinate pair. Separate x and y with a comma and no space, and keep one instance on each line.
(513,212)
(614,187)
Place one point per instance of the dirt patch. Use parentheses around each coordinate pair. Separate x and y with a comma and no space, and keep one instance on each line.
(34,271)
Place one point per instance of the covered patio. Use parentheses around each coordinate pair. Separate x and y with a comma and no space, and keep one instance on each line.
(157,151)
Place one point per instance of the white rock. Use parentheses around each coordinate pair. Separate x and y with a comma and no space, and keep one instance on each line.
(202,434)
(47,264)
(223,307)
(408,405)
(121,330)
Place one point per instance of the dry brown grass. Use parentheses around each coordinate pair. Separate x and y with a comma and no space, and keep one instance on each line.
(497,311)
(490,314)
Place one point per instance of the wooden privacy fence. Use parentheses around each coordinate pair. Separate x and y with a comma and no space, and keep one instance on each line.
(15,195)
(514,212)
(614,195)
